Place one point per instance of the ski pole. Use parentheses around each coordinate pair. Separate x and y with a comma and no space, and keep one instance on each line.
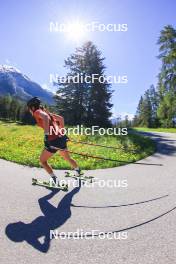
(99,145)
(102,158)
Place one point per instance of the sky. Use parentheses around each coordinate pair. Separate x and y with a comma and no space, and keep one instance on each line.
(27,43)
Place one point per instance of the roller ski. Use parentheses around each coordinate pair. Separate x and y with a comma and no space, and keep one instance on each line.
(78,175)
(50,184)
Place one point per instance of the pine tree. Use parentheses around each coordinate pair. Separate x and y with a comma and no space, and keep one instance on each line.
(139,112)
(5,102)
(85,103)
(167,77)
(146,114)
(14,109)
(154,102)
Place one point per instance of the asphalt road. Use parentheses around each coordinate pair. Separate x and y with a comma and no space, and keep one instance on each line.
(142,214)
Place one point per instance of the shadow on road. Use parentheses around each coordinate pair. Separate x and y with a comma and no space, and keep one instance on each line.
(164,146)
(120,205)
(53,218)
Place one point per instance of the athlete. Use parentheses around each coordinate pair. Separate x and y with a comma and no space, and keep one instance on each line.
(53,142)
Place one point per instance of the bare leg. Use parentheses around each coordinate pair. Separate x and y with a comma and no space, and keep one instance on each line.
(65,154)
(45,155)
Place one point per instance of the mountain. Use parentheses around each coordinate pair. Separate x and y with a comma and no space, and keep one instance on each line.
(13,82)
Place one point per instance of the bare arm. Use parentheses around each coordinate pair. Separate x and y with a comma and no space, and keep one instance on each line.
(46,122)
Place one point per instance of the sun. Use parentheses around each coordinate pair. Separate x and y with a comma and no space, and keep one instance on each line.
(76,31)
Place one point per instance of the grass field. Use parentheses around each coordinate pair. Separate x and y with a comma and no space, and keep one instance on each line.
(166,130)
(23,145)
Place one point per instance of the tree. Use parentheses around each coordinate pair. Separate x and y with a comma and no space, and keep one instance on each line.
(146,114)
(5,106)
(14,109)
(83,102)
(154,102)
(167,77)
(158,107)
(139,113)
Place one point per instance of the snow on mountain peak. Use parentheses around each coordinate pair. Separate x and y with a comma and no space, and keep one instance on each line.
(15,83)
(7,68)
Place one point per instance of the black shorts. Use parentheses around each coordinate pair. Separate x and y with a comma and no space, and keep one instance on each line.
(60,143)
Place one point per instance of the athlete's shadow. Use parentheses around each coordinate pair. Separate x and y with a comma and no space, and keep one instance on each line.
(39,228)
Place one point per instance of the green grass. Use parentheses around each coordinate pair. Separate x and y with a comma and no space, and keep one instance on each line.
(146,129)
(23,145)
